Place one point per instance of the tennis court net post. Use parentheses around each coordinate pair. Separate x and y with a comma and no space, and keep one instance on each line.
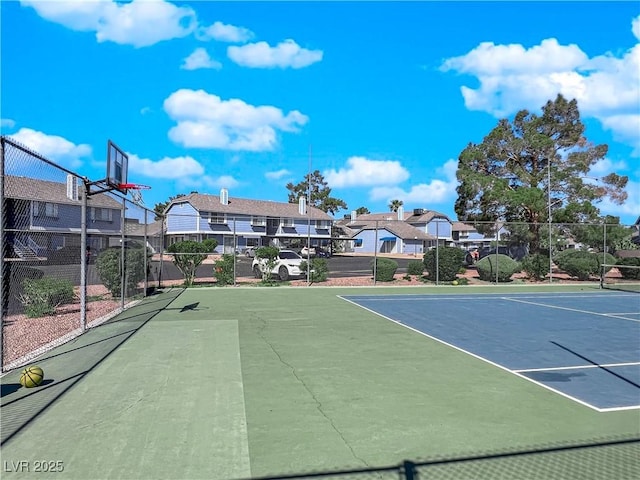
(620,277)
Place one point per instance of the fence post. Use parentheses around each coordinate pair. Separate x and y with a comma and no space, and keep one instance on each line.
(4,283)
(408,471)
(84,261)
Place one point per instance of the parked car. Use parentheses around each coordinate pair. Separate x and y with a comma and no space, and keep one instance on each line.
(286,265)
(308,252)
(250,252)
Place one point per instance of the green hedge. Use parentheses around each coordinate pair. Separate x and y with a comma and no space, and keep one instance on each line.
(319,269)
(385,269)
(450,260)
(415,267)
(536,266)
(497,266)
(630,273)
(581,264)
(109,266)
(42,296)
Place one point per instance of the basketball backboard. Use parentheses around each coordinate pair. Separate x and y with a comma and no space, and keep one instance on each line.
(117,167)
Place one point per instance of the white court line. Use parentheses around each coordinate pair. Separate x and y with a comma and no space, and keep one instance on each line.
(609,315)
(577,367)
(478,296)
(540,384)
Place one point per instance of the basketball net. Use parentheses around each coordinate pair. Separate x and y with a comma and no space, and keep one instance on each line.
(136,196)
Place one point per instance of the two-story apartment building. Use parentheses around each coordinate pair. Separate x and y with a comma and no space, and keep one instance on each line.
(238,223)
(43,216)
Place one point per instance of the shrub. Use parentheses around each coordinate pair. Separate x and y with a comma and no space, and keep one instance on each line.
(42,296)
(415,267)
(497,266)
(385,269)
(223,270)
(270,254)
(109,269)
(536,266)
(210,244)
(608,260)
(319,270)
(189,255)
(450,260)
(579,263)
(630,273)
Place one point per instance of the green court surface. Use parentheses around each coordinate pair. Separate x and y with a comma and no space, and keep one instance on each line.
(233,383)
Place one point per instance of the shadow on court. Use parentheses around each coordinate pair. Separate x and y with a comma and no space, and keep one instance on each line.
(608,457)
(69,363)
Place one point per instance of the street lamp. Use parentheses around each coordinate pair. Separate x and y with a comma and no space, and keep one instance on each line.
(415,246)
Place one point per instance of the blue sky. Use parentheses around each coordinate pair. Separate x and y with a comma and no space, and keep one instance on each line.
(381,97)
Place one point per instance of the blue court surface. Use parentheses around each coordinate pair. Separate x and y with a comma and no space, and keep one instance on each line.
(585,346)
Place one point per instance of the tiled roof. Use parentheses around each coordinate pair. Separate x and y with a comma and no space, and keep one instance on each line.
(400,229)
(26,188)
(244,206)
(409,218)
(462,227)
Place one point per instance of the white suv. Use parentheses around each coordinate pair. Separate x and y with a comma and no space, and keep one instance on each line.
(286,265)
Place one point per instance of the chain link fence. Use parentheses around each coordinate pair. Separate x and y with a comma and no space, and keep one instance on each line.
(65,254)
(595,459)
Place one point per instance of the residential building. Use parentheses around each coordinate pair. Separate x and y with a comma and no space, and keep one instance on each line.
(238,223)
(44,216)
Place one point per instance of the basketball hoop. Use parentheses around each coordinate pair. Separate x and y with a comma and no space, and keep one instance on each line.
(134,189)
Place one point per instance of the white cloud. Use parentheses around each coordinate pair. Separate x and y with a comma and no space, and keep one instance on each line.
(7,122)
(625,129)
(53,147)
(199,58)
(635,27)
(205,120)
(362,171)
(435,192)
(286,54)
(208,182)
(139,23)
(630,207)
(169,168)
(605,166)
(225,33)
(278,174)
(512,77)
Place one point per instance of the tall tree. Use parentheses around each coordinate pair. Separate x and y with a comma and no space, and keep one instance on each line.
(362,211)
(320,193)
(506,177)
(395,205)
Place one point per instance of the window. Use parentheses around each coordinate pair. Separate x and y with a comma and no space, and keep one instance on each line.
(286,222)
(357,242)
(101,214)
(258,221)
(252,242)
(45,209)
(217,218)
(322,224)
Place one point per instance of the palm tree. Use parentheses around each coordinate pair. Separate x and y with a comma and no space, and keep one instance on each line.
(394,205)
(362,211)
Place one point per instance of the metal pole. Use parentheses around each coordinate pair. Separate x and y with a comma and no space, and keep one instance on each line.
(604,243)
(146,257)
(234,251)
(549,219)
(497,249)
(437,251)
(375,255)
(309,221)
(84,264)
(122,252)
(4,283)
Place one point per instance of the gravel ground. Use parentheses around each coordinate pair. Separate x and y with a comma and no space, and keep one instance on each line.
(25,338)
